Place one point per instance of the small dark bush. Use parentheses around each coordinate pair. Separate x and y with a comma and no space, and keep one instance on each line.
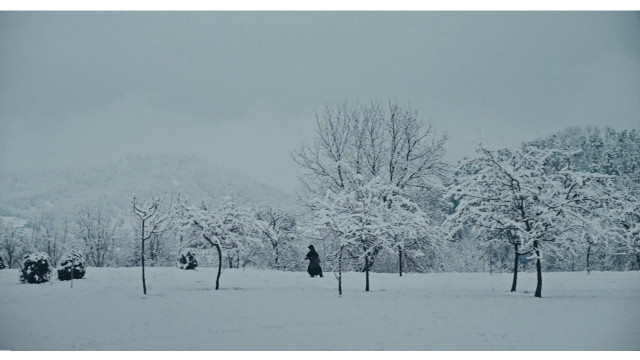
(71,260)
(2,265)
(187,261)
(35,268)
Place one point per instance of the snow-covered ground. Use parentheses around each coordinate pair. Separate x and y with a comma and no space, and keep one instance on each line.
(270,310)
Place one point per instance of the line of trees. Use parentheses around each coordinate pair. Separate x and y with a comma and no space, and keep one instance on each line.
(108,237)
(378,196)
(574,193)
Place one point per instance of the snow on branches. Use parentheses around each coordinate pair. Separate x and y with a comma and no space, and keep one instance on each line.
(371,217)
(624,216)
(153,222)
(228,226)
(519,195)
(373,140)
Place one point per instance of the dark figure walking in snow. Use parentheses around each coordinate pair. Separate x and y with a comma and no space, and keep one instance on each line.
(314,262)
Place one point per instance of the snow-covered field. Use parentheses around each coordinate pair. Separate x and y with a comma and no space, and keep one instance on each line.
(270,310)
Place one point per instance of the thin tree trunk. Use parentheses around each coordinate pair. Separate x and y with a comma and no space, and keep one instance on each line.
(515,269)
(490,260)
(366,269)
(219,266)
(588,258)
(538,270)
(73,267)
(340,272)
(277,259)
(400,259)
(144,282)
(219,260)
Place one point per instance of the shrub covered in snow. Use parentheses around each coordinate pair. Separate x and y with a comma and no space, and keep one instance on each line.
(36,268)
(187,261)
(71,261)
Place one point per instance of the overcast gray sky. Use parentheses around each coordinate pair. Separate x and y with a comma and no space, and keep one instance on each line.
(241,88)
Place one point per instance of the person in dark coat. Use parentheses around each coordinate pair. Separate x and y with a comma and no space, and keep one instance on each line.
(314,262)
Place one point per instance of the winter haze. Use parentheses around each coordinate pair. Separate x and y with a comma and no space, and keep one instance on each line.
(319,181)
(241,88)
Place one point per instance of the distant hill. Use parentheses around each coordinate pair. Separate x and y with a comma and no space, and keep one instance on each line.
(23,194)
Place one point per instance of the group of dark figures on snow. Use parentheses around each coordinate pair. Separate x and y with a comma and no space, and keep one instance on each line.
(314,262)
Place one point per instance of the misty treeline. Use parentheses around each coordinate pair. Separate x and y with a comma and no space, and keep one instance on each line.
(378,196)
(111,238)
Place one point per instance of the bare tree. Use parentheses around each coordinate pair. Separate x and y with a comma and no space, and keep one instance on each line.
(152,223)
(45,236)
(97,231)
(375,140)
(12,241)
(280,232)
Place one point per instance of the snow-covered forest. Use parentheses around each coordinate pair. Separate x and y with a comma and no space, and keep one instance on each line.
(377,197)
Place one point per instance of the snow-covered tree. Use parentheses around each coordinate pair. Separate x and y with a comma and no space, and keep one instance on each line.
(96,229)
(412,229)
(280,229)
(153,222)
(470,252)
(611,152)
(386,141)
(518,194)
(624,207)
(229,226)
(605,151)
(45,236)
(13,240)
(370,218)
(476,189)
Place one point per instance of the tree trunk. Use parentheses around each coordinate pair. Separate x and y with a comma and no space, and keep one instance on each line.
(73,267)
(515,269)
(219,266)
(277,255)
(340,271)
(490,260)
(400,260)
(151,250)
(588,258)
(366,269)
(573,263)
(538,270)
(144,282)
(219,260)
